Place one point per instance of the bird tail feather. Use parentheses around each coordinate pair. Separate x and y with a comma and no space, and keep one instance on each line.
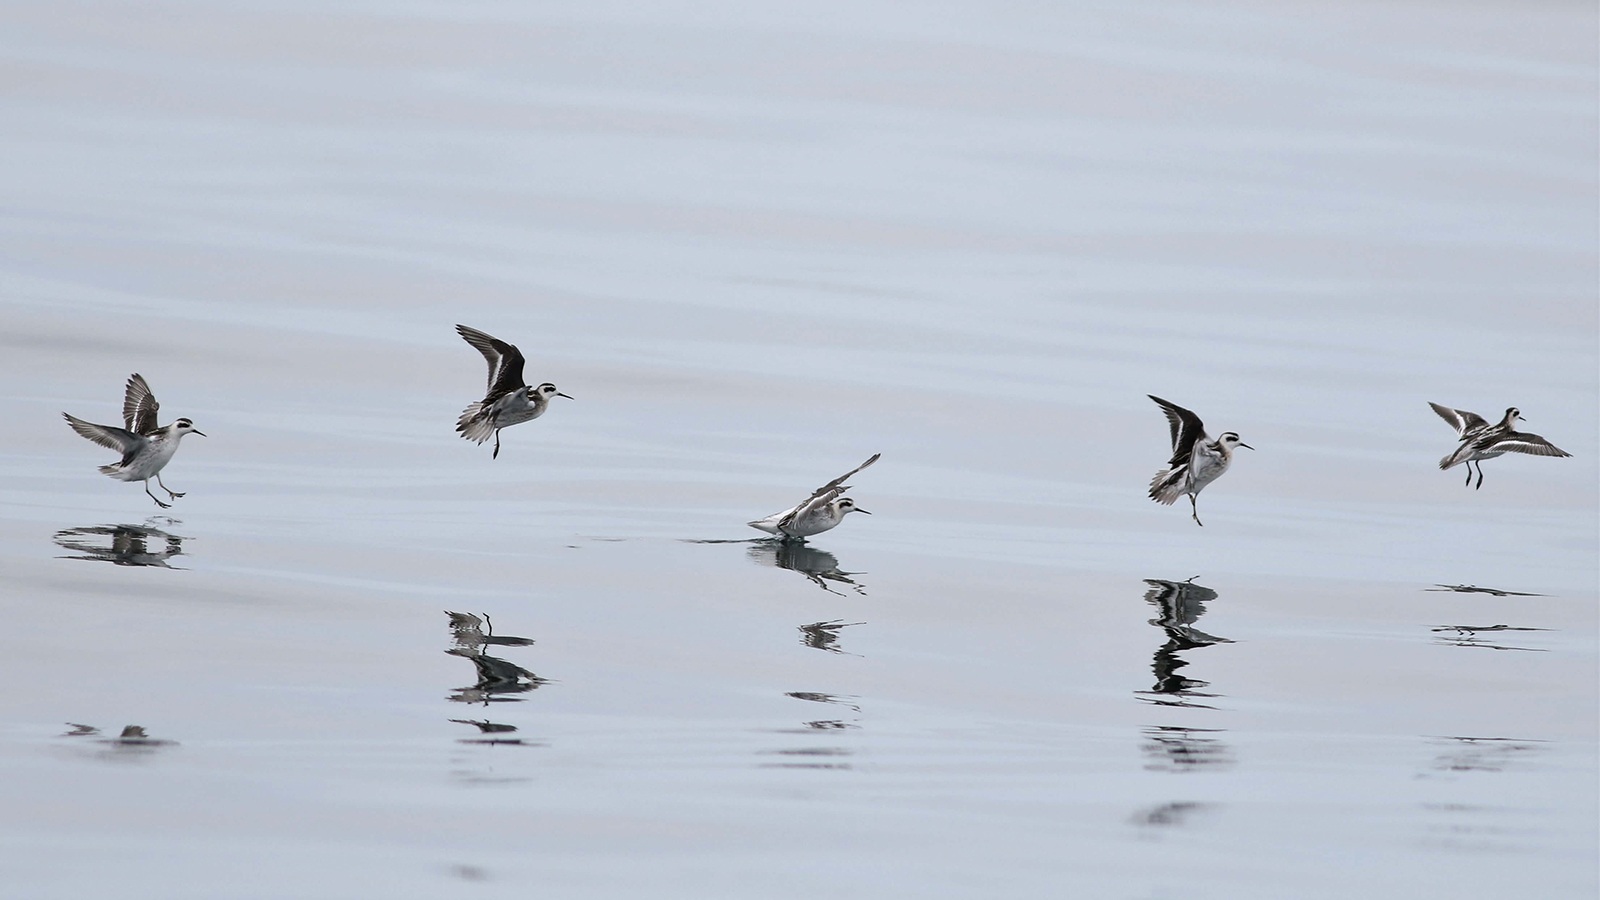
(473,424)
(1167,486)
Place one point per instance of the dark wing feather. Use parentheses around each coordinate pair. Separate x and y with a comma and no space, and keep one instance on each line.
(1459,419)
(1185,427)
(139,406)
(1520,442)
(107,436)
(827,493)
(505,360)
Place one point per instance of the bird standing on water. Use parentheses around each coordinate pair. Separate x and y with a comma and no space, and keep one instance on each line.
(146,448)
(1481,441)
(1195,462)
(823,510)
(509,401)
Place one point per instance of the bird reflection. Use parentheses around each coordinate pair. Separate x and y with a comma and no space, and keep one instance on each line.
(824,635)
(130,545)
(818,566)
(1481,754)
(1169,815)
(1474,589)
(132,744)
(1172,749)
(1470,636)
(816,757)
(1180,603)
(492,732)
(496,676)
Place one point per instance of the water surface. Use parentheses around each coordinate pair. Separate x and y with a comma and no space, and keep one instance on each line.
(757,244)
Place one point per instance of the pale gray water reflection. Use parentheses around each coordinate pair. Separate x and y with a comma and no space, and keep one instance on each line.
(128,545)
(1181,603)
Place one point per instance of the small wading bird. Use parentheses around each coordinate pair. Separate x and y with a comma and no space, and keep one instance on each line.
(146,448)
(510,401)
(824,509)
(1481,441)
(1195,462)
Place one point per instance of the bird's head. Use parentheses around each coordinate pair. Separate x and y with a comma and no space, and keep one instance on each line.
(847,505)
(546,390)
(184,426)
(1231,440)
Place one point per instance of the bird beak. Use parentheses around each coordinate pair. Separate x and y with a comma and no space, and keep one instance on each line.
(199,432)
(860,510)
(559,394)
(1246,446)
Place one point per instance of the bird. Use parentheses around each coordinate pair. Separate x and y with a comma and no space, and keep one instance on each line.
(509,401)
(1481,441)
(146,447)
(1195,461)
(823,510)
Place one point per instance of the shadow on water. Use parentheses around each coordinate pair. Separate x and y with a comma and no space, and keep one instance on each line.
(1471,636)
(1180,603)
(129,545)
(1171,749)
(496,677)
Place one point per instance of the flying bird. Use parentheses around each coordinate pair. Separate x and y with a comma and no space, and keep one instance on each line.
(1481,441)
(823,510)
(146,448)
(509,401)
(1195,463)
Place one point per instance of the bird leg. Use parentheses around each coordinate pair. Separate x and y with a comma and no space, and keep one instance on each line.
(496,444)
(1195,511)
(1480,474)
(153,496)
(1469,474)
(170,492)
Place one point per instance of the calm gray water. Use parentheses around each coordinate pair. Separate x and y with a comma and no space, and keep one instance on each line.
(758,244)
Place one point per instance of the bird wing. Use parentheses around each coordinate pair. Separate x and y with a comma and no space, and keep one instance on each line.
(1532,444)
(505,360)
(139,406)
(1185,426)
(1459,419)
(825,494)
(108,436)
